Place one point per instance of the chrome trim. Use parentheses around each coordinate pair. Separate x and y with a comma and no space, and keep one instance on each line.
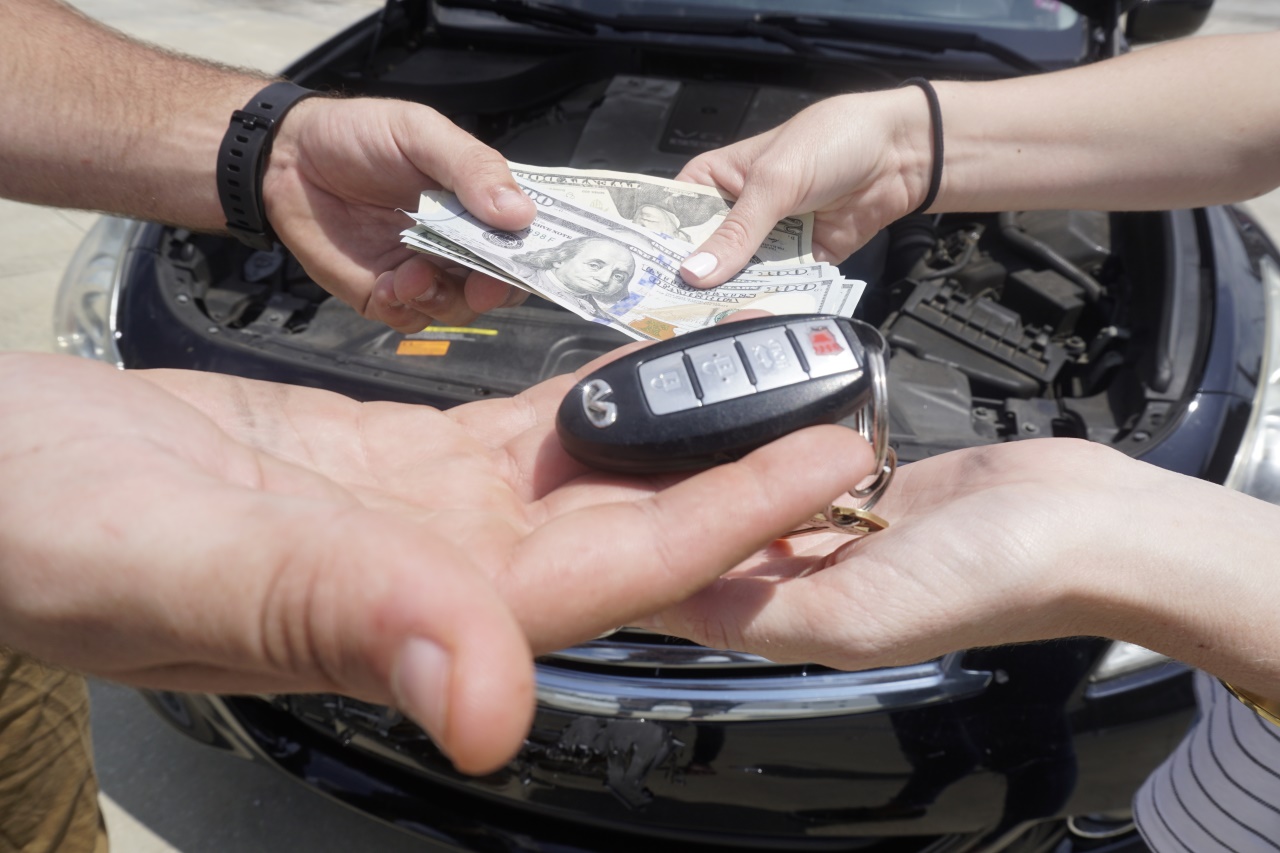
(132,228)
(119,234)
(766,697)
(1253,450)
(873,422)
(1139,678)
(648,656)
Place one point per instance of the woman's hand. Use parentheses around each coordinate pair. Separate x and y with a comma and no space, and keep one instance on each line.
(1022,541)
(856,161)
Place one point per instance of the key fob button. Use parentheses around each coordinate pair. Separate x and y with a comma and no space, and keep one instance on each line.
(824,347)
(666,385)
(720,371)
(772,359)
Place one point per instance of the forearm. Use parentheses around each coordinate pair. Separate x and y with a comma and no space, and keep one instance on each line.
(95,120)
(1186,124)
(1192,573)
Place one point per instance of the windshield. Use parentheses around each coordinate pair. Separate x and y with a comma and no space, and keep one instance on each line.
(1044,15)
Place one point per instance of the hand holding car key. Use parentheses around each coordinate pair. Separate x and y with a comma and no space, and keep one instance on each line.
(714,395)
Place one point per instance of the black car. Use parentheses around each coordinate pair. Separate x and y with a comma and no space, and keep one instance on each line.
(1145,331)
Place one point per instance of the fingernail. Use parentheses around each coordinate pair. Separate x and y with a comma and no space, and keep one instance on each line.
(428,294)
(420,684)
(700,265)
(506,198)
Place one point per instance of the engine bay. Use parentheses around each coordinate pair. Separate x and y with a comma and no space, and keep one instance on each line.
(1021,324)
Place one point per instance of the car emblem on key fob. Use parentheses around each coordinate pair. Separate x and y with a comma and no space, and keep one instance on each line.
(595,402)
(714,395)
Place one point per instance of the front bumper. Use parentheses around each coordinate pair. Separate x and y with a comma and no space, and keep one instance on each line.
(1013,755)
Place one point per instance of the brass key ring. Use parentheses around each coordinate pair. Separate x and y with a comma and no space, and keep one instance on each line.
(853,521)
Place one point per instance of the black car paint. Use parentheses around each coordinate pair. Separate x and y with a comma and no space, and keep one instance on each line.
(1042,730)
(1036,747)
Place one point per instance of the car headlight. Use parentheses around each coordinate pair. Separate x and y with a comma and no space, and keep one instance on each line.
(84,313)
(1125,659)
(1256,470)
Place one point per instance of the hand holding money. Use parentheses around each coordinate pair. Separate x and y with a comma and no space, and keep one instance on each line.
(601,246)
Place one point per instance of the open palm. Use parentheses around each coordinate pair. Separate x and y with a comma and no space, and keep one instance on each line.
(988,545)
(202,532)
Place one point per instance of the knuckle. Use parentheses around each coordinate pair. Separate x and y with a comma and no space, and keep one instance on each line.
(482,161)
(771,172)
(735,234)
(700,165)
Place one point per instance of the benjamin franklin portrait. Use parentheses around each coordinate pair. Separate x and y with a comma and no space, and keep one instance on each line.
(594,271)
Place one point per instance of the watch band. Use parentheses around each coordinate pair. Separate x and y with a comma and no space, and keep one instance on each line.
(242,160)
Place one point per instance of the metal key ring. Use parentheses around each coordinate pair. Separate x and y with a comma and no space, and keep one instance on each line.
(877,430)
(872,422)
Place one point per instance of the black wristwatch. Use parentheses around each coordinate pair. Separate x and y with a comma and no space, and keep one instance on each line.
(242,160)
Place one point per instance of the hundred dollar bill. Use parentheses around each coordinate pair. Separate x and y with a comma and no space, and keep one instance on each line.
(666,313)
(688,212)
(425,240)
(440,206)
(612,271)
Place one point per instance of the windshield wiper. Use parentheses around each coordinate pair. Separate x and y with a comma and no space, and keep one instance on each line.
(588,23)
(794,32)
(921,38)
(521,12)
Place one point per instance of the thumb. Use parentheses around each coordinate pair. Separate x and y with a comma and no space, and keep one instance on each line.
(462,164)
(484,184)
(401,614)
(730,248)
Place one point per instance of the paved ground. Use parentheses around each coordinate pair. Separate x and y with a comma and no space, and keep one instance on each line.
(163,792)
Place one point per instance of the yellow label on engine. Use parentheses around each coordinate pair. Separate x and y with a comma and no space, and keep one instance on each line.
(410,347)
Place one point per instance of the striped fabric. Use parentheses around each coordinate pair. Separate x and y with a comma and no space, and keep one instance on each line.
(1220,789)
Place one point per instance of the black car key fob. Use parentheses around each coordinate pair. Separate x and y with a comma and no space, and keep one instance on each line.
(714,395)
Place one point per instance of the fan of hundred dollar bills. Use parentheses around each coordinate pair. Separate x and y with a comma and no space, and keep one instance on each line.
(608,246)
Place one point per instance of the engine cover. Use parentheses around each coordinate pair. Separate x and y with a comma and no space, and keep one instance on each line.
(655,125)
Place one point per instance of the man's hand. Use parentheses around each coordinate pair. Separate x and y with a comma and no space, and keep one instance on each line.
(193,531)
(340,176)
(338,169)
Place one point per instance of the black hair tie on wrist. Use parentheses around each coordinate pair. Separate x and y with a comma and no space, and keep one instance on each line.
(935,118)
(242,160)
